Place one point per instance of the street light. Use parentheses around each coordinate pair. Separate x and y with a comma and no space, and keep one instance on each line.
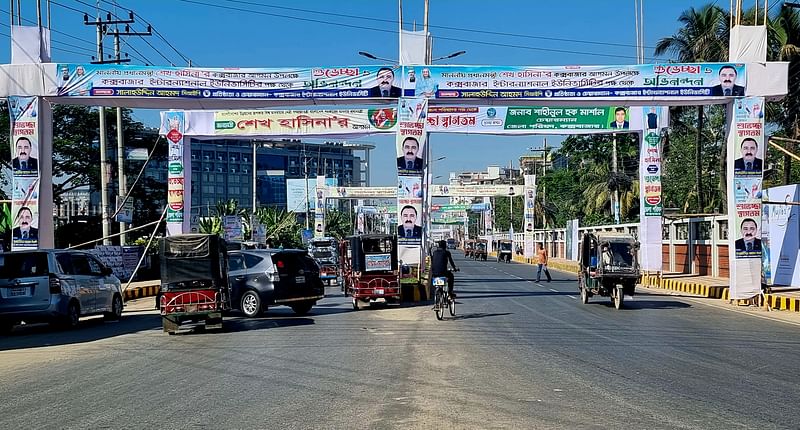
(375,57)
(453,55)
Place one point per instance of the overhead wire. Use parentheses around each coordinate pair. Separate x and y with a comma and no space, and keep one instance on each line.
(443,27)
(116,16)
(52,30)
(158,33)
(504,45)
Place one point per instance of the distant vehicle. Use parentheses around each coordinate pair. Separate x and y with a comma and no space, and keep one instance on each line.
(451,243)
(504,250)
(56,286)
(325,250)
(469,247)
(609,266)
(260,278)
(194,280)
(370,269)
(479,253)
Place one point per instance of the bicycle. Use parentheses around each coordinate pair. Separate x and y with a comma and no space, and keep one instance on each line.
(442,298)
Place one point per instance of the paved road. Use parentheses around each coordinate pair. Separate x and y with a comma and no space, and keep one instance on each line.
(518,355)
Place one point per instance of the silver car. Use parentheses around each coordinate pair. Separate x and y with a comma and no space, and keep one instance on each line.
(57,286)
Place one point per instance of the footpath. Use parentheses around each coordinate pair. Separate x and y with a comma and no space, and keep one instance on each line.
(784,299)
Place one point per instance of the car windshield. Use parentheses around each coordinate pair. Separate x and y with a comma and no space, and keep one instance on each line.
(505,246)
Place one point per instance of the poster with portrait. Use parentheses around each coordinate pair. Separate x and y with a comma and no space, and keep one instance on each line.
(24,136)
(411,135)
(745,168)
(529,214)
(409,223)
(749,148)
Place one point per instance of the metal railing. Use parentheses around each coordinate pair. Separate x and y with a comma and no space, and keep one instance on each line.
(692,245)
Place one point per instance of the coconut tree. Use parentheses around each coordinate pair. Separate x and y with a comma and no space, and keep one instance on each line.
(703,37)
(338,224)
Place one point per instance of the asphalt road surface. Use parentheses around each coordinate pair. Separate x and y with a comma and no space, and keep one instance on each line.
(517,355)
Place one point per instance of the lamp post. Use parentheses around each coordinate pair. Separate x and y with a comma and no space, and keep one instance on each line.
(388,61)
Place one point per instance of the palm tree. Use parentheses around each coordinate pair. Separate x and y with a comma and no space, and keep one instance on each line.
(338,223)
(211,225)
(281,226)
(703,38)
(231,207)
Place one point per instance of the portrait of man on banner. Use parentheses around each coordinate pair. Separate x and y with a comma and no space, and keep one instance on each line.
(24,231)
(749,242)
(385,84)
(410,222)
(410,159)
(750,160)
(727,83)
(25,162)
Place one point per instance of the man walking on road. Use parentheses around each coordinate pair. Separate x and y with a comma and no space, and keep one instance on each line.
(541,255)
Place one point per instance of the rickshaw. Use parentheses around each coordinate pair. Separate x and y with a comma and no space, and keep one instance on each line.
(469,247)
(480,250)
(369,269)
(325,251)
(608,266)
(504,250)
(194,280)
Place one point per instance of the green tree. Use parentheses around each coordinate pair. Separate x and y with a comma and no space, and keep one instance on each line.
(338,223)
(703,37)
(281,227)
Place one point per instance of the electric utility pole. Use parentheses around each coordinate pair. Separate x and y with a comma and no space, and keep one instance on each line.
(102,27)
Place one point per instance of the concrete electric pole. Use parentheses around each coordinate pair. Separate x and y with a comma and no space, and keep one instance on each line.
(102,27)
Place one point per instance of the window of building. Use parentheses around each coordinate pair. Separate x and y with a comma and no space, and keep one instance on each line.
(220,168)
(195,167)
(233,190)
(195,155)
(220,189)
(245,169)
(245,158)
(207,167)
(220,179)
(234,157)
(208,189)
(233,169)
(233,179)
(208,155)
(221,156)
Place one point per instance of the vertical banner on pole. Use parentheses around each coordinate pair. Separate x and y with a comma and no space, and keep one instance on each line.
(650,188)
(530,202)
(177,187)
(571,240)
(410,165)
(25,150)
(320,207)
(745,170)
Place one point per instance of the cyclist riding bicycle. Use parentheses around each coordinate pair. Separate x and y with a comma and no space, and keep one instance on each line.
(439,259)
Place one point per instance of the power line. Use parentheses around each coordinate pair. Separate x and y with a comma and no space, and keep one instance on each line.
(61,43)
(115,15)
(53,30)
(394,32)
(443,27)
(160,36)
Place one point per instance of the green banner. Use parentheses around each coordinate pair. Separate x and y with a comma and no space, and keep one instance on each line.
(543,117)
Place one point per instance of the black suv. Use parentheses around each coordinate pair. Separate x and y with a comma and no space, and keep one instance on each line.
(267,277)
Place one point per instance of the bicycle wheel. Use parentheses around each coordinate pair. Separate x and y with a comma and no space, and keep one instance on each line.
(439,305)
(452,306)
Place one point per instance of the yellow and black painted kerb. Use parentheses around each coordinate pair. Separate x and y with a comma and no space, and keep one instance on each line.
(654,281)
(139,292)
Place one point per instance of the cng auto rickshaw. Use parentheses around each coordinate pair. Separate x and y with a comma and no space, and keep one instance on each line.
(504,250)
(194,280)
(469,247)
(480,250)
(609,266)
(369,269)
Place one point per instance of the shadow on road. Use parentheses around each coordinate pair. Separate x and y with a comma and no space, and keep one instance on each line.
(640,304)
(480,315)
(494,294)
(89,330)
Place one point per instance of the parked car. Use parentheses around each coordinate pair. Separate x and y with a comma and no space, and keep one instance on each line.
(56,286)
(260,278)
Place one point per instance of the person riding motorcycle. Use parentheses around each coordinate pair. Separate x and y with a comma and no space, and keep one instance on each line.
(439,259)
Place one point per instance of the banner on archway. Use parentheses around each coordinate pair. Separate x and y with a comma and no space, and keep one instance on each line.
(745,172)
(25,150)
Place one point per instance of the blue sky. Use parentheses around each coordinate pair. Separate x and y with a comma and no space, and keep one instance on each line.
(283,33)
